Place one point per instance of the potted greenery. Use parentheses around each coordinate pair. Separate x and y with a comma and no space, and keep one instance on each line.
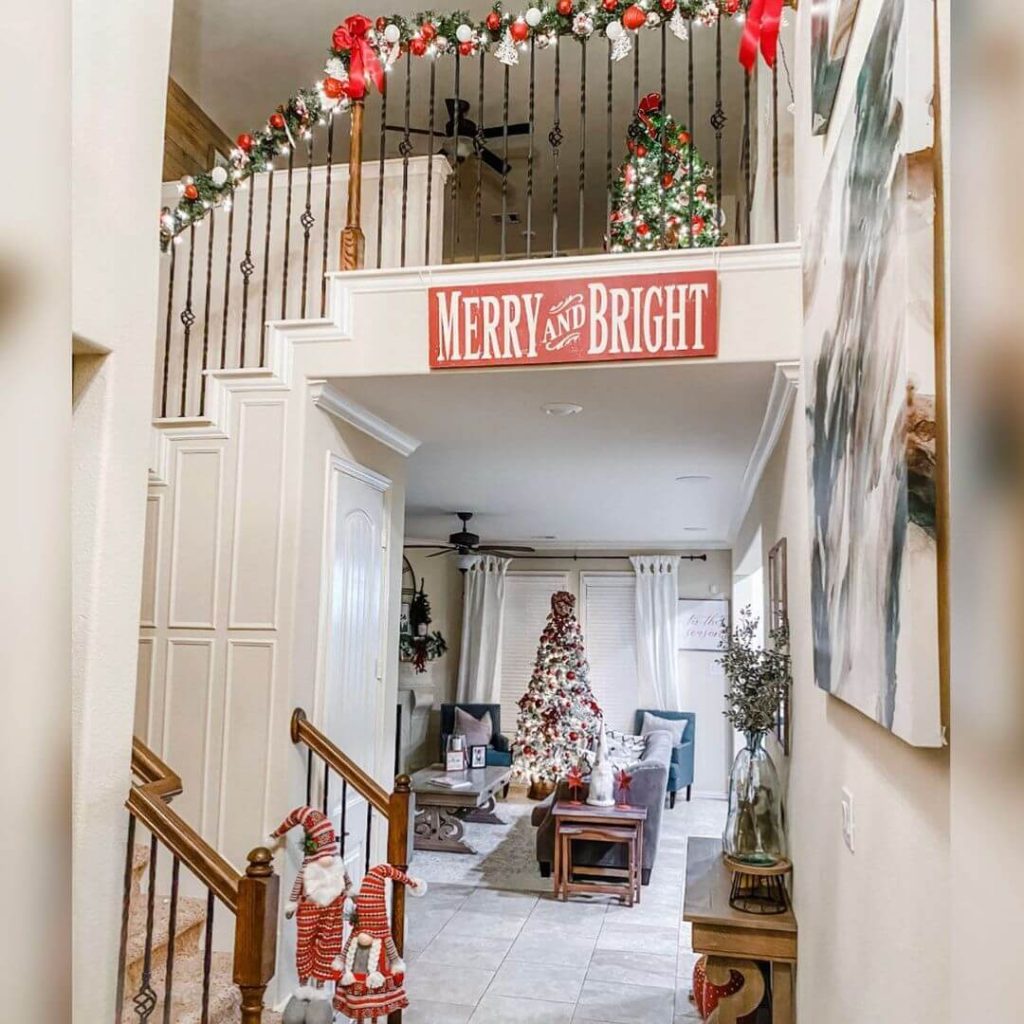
(417,643)
(759,678)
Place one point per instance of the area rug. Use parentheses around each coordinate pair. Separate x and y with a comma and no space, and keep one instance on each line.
(506,855)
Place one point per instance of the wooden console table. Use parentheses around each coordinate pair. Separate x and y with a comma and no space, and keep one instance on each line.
(732,939)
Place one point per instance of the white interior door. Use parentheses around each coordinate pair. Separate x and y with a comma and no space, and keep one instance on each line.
(353,680)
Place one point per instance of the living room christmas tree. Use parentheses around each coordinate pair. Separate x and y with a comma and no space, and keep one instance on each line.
(558,715)
(652,207)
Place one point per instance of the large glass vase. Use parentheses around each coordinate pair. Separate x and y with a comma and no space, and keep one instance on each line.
(754,832)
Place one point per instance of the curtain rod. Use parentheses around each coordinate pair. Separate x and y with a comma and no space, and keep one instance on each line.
(601,558)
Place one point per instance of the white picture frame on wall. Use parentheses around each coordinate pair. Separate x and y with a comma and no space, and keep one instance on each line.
(703,623)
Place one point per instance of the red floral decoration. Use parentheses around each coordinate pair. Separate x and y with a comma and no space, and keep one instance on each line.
(623,780)
(574,780)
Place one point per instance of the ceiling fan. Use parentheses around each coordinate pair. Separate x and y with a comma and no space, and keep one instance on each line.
(465,135)
(462,542)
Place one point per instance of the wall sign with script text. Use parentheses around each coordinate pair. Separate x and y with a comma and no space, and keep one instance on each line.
(583,320)
(703,624)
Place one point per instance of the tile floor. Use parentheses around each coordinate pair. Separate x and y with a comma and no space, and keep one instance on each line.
(485,955)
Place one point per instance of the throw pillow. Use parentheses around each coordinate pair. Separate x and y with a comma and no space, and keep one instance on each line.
(624,750)
(478,731)
(654,723)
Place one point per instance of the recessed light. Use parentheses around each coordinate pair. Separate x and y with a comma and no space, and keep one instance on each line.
(695,529)
(693,478)
(561,409)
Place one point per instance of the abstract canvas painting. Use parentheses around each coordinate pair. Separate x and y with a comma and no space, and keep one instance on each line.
(869,373)
(831,25)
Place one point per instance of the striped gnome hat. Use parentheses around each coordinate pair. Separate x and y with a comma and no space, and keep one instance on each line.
(320,842)
(371,911)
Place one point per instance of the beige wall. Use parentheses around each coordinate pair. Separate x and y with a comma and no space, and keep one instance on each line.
(119,74)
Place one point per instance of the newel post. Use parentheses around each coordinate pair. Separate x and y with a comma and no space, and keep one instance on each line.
(353,242)
(399,811)
(256,932)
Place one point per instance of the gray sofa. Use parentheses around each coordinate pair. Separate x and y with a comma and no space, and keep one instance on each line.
(648,788)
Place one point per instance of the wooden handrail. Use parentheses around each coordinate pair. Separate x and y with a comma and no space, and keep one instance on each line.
(303,731)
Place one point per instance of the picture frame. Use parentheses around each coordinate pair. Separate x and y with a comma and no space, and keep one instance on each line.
(778,618)
(703,624)
(478,756)
(455,761)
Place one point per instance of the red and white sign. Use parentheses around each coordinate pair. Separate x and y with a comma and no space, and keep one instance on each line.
(583,320)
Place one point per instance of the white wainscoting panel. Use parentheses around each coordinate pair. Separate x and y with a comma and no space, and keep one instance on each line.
(195,539)
(151,560)
(258,506)
(143,686)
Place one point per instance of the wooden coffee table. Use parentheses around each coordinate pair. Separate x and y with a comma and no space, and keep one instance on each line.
(440,812)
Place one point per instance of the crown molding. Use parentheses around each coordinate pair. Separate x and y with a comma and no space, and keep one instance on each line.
(341,407)
(780,400)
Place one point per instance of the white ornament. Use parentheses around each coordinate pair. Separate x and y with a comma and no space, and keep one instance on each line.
(334,68)
(677,26)
(392,33)
(653,21)
(582,25)
(463,33)
(506,50)
(533,17)
(614,30)
(623,46)
(441,43)
(219,176)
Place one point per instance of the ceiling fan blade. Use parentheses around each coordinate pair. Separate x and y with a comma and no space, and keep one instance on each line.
(412,131)
(443,551)
(506,548)
(494,161)
(497,132)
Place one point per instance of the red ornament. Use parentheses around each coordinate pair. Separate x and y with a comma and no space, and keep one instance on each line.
(494,21)
(380,24)
(668,6)
(277,122)
(466,48)
(574,736)
(732,6)
(334,88)
(698,223)
(667,179)
(520,30)
(643,230)
(610,5)
(634,17)
(641,151)
(244,142)
(417,47)
(564,8)
(684,136)
(428,31)
(570,674)
(191,192)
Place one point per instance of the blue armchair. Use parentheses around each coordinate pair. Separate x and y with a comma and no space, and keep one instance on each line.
(680,770)
(499,752)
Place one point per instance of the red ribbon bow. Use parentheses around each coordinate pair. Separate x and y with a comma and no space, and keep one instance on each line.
(363,60)
(650,104)
(764,18)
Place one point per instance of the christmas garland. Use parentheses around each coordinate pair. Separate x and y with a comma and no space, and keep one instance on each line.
(362,51)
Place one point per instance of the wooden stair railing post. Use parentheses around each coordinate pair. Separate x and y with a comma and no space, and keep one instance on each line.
(353,242)
(256,932)
(398,855)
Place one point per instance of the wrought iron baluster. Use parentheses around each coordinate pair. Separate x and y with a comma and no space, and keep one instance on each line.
(172,924)
(344,815)
(664,66)
(663,244)
(478,147)
(188,317)
(430,160)
(636,73)
(126,900)
(581,182)
(690,126)
(457,187)
(529,157)
(556,137)
(504,169)
(608,154)
(327,785)
(227,287)
(718,121)
(167,336)
(380,177)
(327,211)
(309,778)
(211,224)
(145,999)
(745,157)
(207,957)
(287,233)
(369,826)
(775,147)
(247,267)
(405,148)
(266,263)
(307,220)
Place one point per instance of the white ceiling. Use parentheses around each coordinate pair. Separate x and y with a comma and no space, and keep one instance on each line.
(604,477)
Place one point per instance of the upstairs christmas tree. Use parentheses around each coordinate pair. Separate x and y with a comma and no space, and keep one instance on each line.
(651,203)
(558,716)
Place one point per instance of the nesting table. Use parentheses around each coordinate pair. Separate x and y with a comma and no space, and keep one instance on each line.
(621,825)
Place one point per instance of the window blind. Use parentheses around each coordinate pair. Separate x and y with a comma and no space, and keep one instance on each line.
(608,618)
(527,603)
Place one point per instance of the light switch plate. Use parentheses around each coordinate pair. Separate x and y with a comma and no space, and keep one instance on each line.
(848,823)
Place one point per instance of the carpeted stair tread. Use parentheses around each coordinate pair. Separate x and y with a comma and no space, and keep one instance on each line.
(187,991)
(191,912)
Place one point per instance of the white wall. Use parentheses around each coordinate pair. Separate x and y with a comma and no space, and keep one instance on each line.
(119,67)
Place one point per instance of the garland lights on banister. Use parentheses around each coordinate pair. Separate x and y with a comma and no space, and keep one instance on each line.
(362,51)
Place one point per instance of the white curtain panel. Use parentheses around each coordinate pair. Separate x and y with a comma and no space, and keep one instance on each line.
(657,608)
(483,608)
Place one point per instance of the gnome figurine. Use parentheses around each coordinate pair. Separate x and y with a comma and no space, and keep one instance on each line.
(601,779)
(318,897)
(372,980)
